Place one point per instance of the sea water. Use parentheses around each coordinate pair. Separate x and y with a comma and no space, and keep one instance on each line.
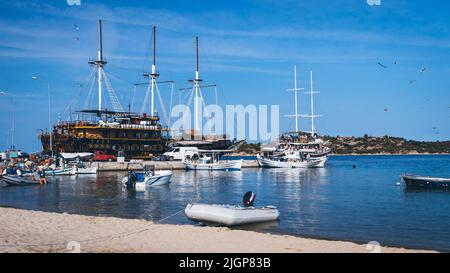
(354,198)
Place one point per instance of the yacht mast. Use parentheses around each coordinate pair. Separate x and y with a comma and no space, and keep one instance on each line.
(296,89)
(312,115)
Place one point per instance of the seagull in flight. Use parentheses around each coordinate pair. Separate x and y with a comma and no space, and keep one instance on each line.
(423,69)
(382,65)
(413,81)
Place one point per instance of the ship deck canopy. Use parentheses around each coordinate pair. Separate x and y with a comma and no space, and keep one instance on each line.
(106,112)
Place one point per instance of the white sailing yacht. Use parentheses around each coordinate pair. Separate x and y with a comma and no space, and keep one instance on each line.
(297,149)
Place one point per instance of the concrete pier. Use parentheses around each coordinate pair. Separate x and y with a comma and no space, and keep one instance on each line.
(159,165)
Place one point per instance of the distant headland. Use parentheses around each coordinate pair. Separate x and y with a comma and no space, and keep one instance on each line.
(370,145)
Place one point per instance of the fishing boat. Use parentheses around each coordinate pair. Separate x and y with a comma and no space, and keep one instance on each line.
(426,182)
(16,180)
(277,162)
(209,161)
(232,215)
(149,177)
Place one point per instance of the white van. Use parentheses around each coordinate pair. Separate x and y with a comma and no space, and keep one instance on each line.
(180,153)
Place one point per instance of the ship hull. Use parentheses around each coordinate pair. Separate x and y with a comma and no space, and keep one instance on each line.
(131,148)
(420,182)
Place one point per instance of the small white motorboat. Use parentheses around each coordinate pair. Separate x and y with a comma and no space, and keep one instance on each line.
(232,215)
(201,165)
(276,163)
(209,161)
(140,180)
(86,170)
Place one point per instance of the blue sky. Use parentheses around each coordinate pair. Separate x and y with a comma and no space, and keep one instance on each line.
(248,48)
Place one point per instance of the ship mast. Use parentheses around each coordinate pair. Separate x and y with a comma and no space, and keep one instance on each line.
(196,90)
(154,75)
(296,89)
(99,63)
(197,82)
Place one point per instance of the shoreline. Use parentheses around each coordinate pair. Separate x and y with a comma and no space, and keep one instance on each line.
(383,154)
(415,154)
(42,232)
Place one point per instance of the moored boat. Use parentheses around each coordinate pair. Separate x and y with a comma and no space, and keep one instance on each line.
(283,163)
(209,160)
(64,171)
(426,182)
(150,177)
(86,170)
(203,165)
(16,180)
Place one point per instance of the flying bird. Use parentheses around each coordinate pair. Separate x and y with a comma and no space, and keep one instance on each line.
(76,27)
(423,69)
(382,65)
(386,110)
(413,81)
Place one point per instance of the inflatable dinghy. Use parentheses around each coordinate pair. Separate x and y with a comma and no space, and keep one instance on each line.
(232,215)
(229,215)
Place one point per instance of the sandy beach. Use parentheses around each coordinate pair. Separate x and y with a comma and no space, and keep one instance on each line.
(35,231)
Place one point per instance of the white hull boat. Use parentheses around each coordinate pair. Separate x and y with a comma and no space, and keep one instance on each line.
(323,161)
(270,163)
(157,178)
(66,171)
(216,166)
(87,170)
(230,215)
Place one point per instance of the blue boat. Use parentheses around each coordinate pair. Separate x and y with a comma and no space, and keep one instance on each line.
(426,182)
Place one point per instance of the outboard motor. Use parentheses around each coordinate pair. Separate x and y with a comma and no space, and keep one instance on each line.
(249,198)
(131,183)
